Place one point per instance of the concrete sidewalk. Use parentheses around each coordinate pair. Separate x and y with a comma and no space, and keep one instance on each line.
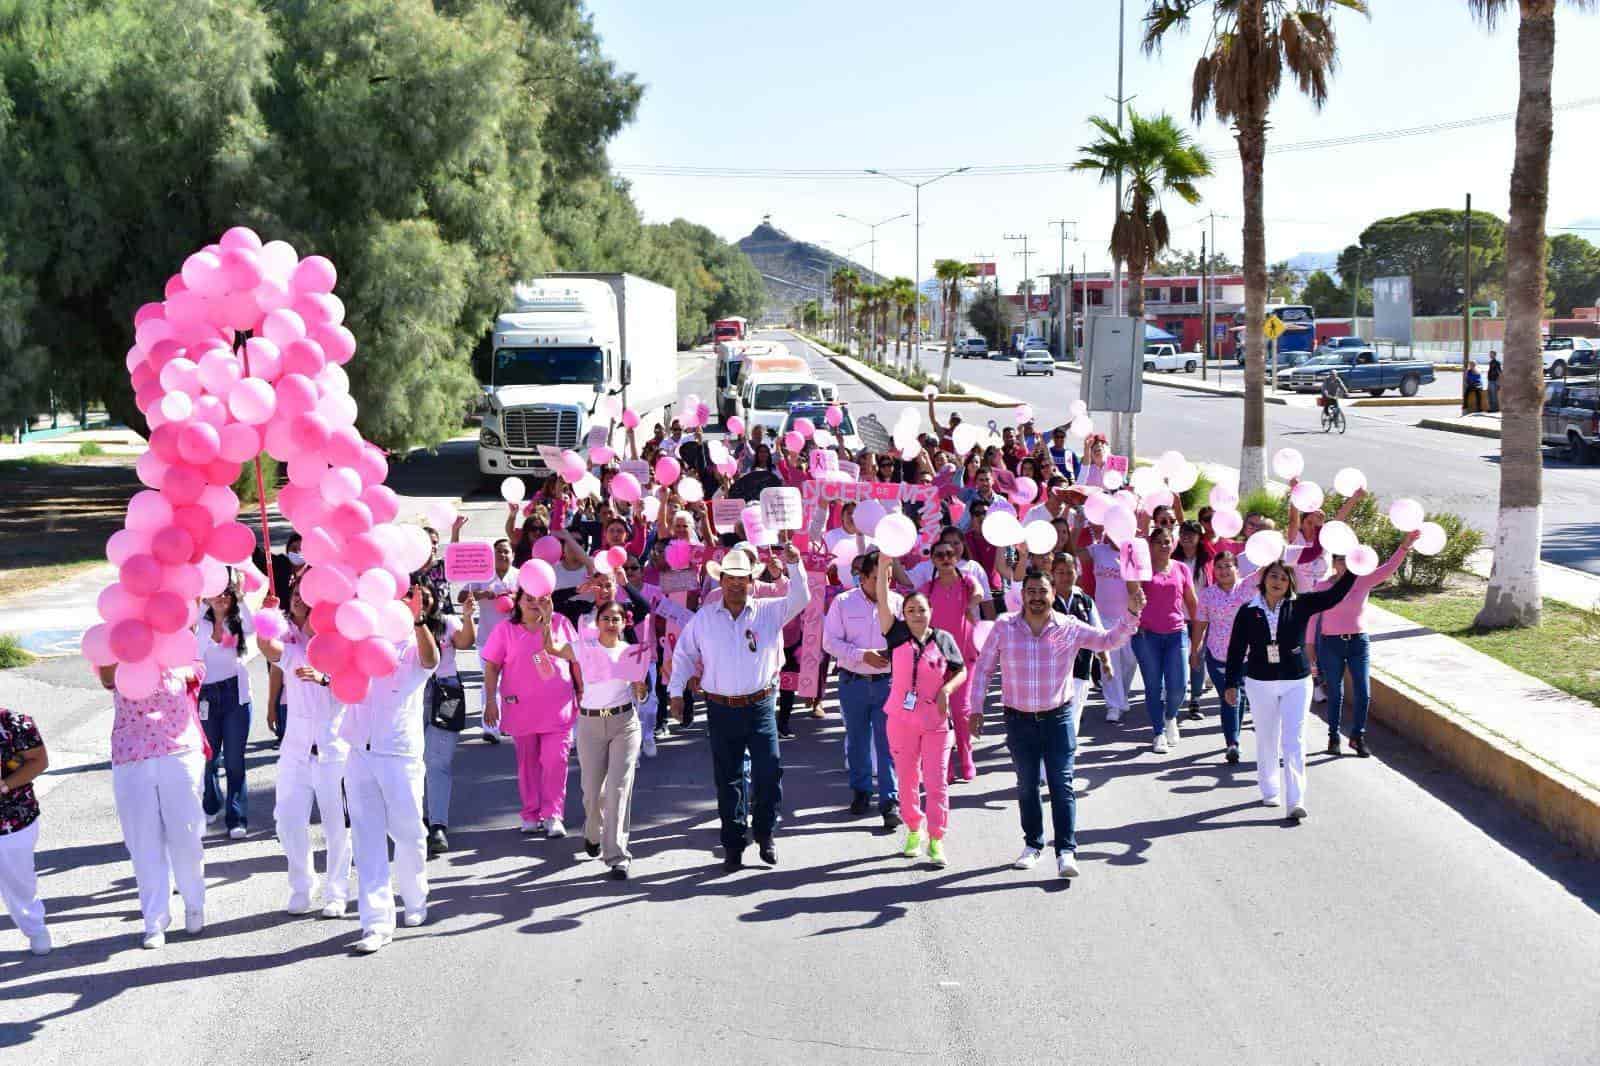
(1475,425)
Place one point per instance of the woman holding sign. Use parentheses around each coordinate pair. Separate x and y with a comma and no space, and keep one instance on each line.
(609,736)
(926,670)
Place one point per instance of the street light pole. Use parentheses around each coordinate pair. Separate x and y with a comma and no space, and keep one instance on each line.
(916,188)
(1027,286)
(1061,225)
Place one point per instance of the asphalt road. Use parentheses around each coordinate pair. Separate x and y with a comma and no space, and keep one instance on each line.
(1446,471)
(1411,918)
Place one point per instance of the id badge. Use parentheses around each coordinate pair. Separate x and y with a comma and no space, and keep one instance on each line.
(205,709)
(910,702)
(1272,654)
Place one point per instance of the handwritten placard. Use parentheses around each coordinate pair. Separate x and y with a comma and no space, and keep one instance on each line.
(781,509)
(680,581)
(638,468)
(725,512)
(597,438)
(469,560)
(1119,463)
(756,531)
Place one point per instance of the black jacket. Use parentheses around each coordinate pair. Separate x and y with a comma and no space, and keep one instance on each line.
(1247,649)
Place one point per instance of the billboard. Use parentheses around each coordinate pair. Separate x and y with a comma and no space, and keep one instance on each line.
(982,270)
(1391,309)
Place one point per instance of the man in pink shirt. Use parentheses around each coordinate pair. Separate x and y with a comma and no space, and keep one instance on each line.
(1035,649)
(852,635)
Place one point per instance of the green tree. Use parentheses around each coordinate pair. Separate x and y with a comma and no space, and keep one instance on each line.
(1186,263)
(991,316)
(1249,46)
(1573,269)
(1282,282)
(24,367)
(951,273)
(1428,246)
(1323,293)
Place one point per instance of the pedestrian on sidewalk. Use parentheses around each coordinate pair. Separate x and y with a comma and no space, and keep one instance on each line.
(1340,634)
(158,756)
(1035,650)
(853,635)
(928,668)
(22,759)
(529,694)
(311,767)
(609,733)
(1266,653)
(1494,382)
(733,648)
(444,701)
(1472,400)
(383,781)
(224,648)
(1162,646)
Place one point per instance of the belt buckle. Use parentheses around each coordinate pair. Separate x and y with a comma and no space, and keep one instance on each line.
(606,712)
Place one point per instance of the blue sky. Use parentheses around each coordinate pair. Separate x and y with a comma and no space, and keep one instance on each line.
(889,84)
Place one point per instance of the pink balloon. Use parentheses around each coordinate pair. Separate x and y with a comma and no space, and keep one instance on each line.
(373,467)
(356,620)
(217,370)
(194,520)
(626,488)
(804,427)
(235,311)
(241,237)
(116,603)
(834,416)
(283,327)
(141,575)
(270,624)
(202,273)
(241,268)
(166,612)
(375,657)
(183,484)
(252,401)
(211,410)
(304,357)
(149,511)
(346,448)
(382,501)
(131,640)
(1025,490)
(151,469)
(238,443)
(139,680)
(547,548)
(351,687)
(220,503)
(630,419)
(337,342)
(176,406)
(231,543)
(793,440)
(735,425)
(171,546)
(339,484)
(198,443)
(311,431)
(601,456)
(350,518)
(668,470)
(319,309)
(537,578)
(264,359)
(315,274)
(679,554)
(97,645)
(124,544)
(213,577)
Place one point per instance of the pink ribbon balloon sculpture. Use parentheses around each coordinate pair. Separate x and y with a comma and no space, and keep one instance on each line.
(246,354)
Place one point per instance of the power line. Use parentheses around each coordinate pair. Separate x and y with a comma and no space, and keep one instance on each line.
(1026,169)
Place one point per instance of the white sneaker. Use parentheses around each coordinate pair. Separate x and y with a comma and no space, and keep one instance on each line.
(1027,860)
(554,828)
(332,909)
(1172,732)
(238,832)
(194,922)
(1160,746)
(1066,864)
(647,747)
(1297,812)
(412,919)
(40,944)
(213,819)
(300,906)
(155,940)
(372,943)
(1319,694)
(1271,801)
(532,827)
(1113,715)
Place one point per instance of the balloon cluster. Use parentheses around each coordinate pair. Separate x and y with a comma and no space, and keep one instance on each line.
(246,354)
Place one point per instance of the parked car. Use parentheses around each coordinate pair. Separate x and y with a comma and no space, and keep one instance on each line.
(1286,360)
(1571,418)
(1166,357)
(1362,371)
(1036,361)
(967,347)
(1562,352)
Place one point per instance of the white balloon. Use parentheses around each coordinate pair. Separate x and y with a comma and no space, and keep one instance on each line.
(1184,478)
(1307,496)
(1111,480)
(1002,529)
(1349,481)
(896,535)
(412,548)
(1170,463)
(1227,523)
(512,490)
(823,438)
(587,486)
(1145,480)
(1431,539)
(1081,426)
(651,507)
(910,451)
(1337,538)
(868,514)
(1040,537)
(965,438)
(690,490)
(1406,515)
(1224,497)
(1120,524)
(1156,499)
(930,391)
(1264,546)
(1288,463)
(1361,560)
(1077,408)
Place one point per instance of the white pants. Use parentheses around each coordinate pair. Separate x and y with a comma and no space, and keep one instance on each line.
(385,796)
(299,782)
(1117,687)
(648,710)
(1279,710)
(19,886)
(1080,695)
(158,803)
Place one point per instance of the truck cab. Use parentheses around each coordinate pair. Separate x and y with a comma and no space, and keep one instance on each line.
(766,397)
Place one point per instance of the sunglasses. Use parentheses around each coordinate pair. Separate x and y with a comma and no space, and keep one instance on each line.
(946,554)
(750,639)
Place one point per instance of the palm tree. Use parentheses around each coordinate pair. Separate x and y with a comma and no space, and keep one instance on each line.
(901,294)
(846,283)
(868,297)
(1283,281)
(1153,156)
(1239,76)
(951,273)
(1512,598)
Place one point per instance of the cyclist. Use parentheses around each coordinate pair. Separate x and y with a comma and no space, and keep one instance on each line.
(1333,390)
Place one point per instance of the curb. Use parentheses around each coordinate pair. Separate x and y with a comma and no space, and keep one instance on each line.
(1563,804)
(1402,401)
(889,389)
(1457,427)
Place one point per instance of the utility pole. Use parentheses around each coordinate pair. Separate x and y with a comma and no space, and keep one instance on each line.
(987,258)
(1205,313)
(1061,225)
(1466,307)
(1027,285)
(916,188)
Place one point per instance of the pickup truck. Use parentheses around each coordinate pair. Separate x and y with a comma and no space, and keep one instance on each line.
(1167,357)
(1362,371)
(1563,352)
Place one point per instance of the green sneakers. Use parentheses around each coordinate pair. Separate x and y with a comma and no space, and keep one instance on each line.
(913,844)
(936,852)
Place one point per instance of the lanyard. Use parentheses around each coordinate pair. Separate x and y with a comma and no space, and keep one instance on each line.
(916,657)
(1274,615)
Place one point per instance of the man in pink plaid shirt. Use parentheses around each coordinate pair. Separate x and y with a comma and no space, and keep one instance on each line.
(1034,649)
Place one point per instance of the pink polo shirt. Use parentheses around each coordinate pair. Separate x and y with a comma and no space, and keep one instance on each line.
(165,723)
(1346,618)
(1163,599)
(536,694)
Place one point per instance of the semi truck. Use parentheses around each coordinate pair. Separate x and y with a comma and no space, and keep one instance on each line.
(566,341)
(736,328)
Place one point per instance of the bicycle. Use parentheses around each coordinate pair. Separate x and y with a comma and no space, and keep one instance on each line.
(1332,414)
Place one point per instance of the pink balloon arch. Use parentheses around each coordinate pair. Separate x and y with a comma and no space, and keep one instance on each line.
(246,354)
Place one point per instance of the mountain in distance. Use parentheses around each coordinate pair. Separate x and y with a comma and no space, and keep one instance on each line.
(1308,263)
(790,266)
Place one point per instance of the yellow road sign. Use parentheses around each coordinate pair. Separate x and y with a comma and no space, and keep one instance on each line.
(1274,328)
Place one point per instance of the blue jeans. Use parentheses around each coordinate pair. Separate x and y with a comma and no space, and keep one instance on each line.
(745,797)
(866,736)
(1197,682)
(1232,714)
(1163,663)
(438,751)
(1051,738)
(227,729)
(1334,656)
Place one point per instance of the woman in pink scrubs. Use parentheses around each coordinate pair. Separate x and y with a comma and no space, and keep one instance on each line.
(528,693)
(953,599)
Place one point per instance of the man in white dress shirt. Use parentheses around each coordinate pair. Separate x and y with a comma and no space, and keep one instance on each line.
(733,650)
